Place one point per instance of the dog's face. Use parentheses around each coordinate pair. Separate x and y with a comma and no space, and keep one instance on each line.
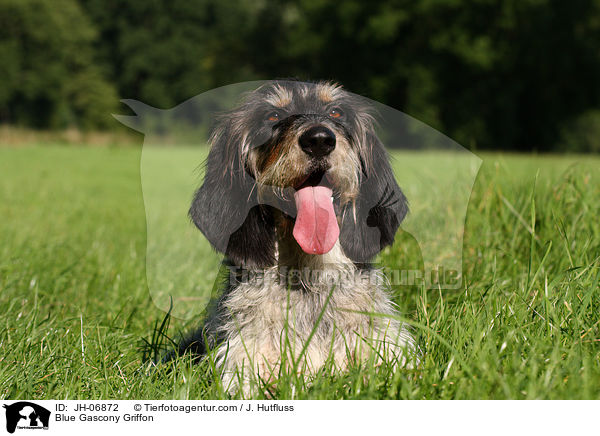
(299,160)
(304,133)
(305,150)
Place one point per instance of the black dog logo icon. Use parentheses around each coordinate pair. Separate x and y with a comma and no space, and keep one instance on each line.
(28,415)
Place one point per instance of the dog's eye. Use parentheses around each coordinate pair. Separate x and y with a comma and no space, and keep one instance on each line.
(273,116)
(335,112)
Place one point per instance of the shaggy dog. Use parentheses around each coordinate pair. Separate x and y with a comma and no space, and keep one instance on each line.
(299,195)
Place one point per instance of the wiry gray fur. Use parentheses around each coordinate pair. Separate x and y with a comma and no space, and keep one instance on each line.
(259,323)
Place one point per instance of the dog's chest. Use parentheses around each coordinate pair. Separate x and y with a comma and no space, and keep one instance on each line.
(325,315)
(327,303)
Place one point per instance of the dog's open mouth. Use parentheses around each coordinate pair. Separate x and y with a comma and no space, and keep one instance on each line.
(316,229)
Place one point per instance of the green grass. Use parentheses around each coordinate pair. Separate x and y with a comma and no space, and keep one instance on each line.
(75,304)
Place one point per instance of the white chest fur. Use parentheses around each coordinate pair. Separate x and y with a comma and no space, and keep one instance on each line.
(320,309)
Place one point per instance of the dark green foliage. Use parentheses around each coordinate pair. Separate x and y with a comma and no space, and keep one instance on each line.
(583,133)
(48,74)
(513,74)
(164,52)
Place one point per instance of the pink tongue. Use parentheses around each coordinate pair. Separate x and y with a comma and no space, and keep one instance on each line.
(316,228)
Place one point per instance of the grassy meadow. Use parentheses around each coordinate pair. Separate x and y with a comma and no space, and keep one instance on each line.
(78,309)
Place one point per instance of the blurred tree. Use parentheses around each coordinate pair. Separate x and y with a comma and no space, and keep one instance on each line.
(164,52)
(48,75)
(490,73)
(507,74)
(582,134)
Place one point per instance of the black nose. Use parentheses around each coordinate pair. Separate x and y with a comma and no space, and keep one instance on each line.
(317,141)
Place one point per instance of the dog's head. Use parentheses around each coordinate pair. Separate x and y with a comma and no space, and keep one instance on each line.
(298,160)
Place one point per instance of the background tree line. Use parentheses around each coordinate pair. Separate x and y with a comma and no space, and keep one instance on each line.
(513,74)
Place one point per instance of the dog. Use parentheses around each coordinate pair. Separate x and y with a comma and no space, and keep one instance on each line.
(299,196)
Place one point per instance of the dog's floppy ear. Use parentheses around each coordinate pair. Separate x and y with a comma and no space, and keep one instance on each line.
(370,224)
(225,208)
